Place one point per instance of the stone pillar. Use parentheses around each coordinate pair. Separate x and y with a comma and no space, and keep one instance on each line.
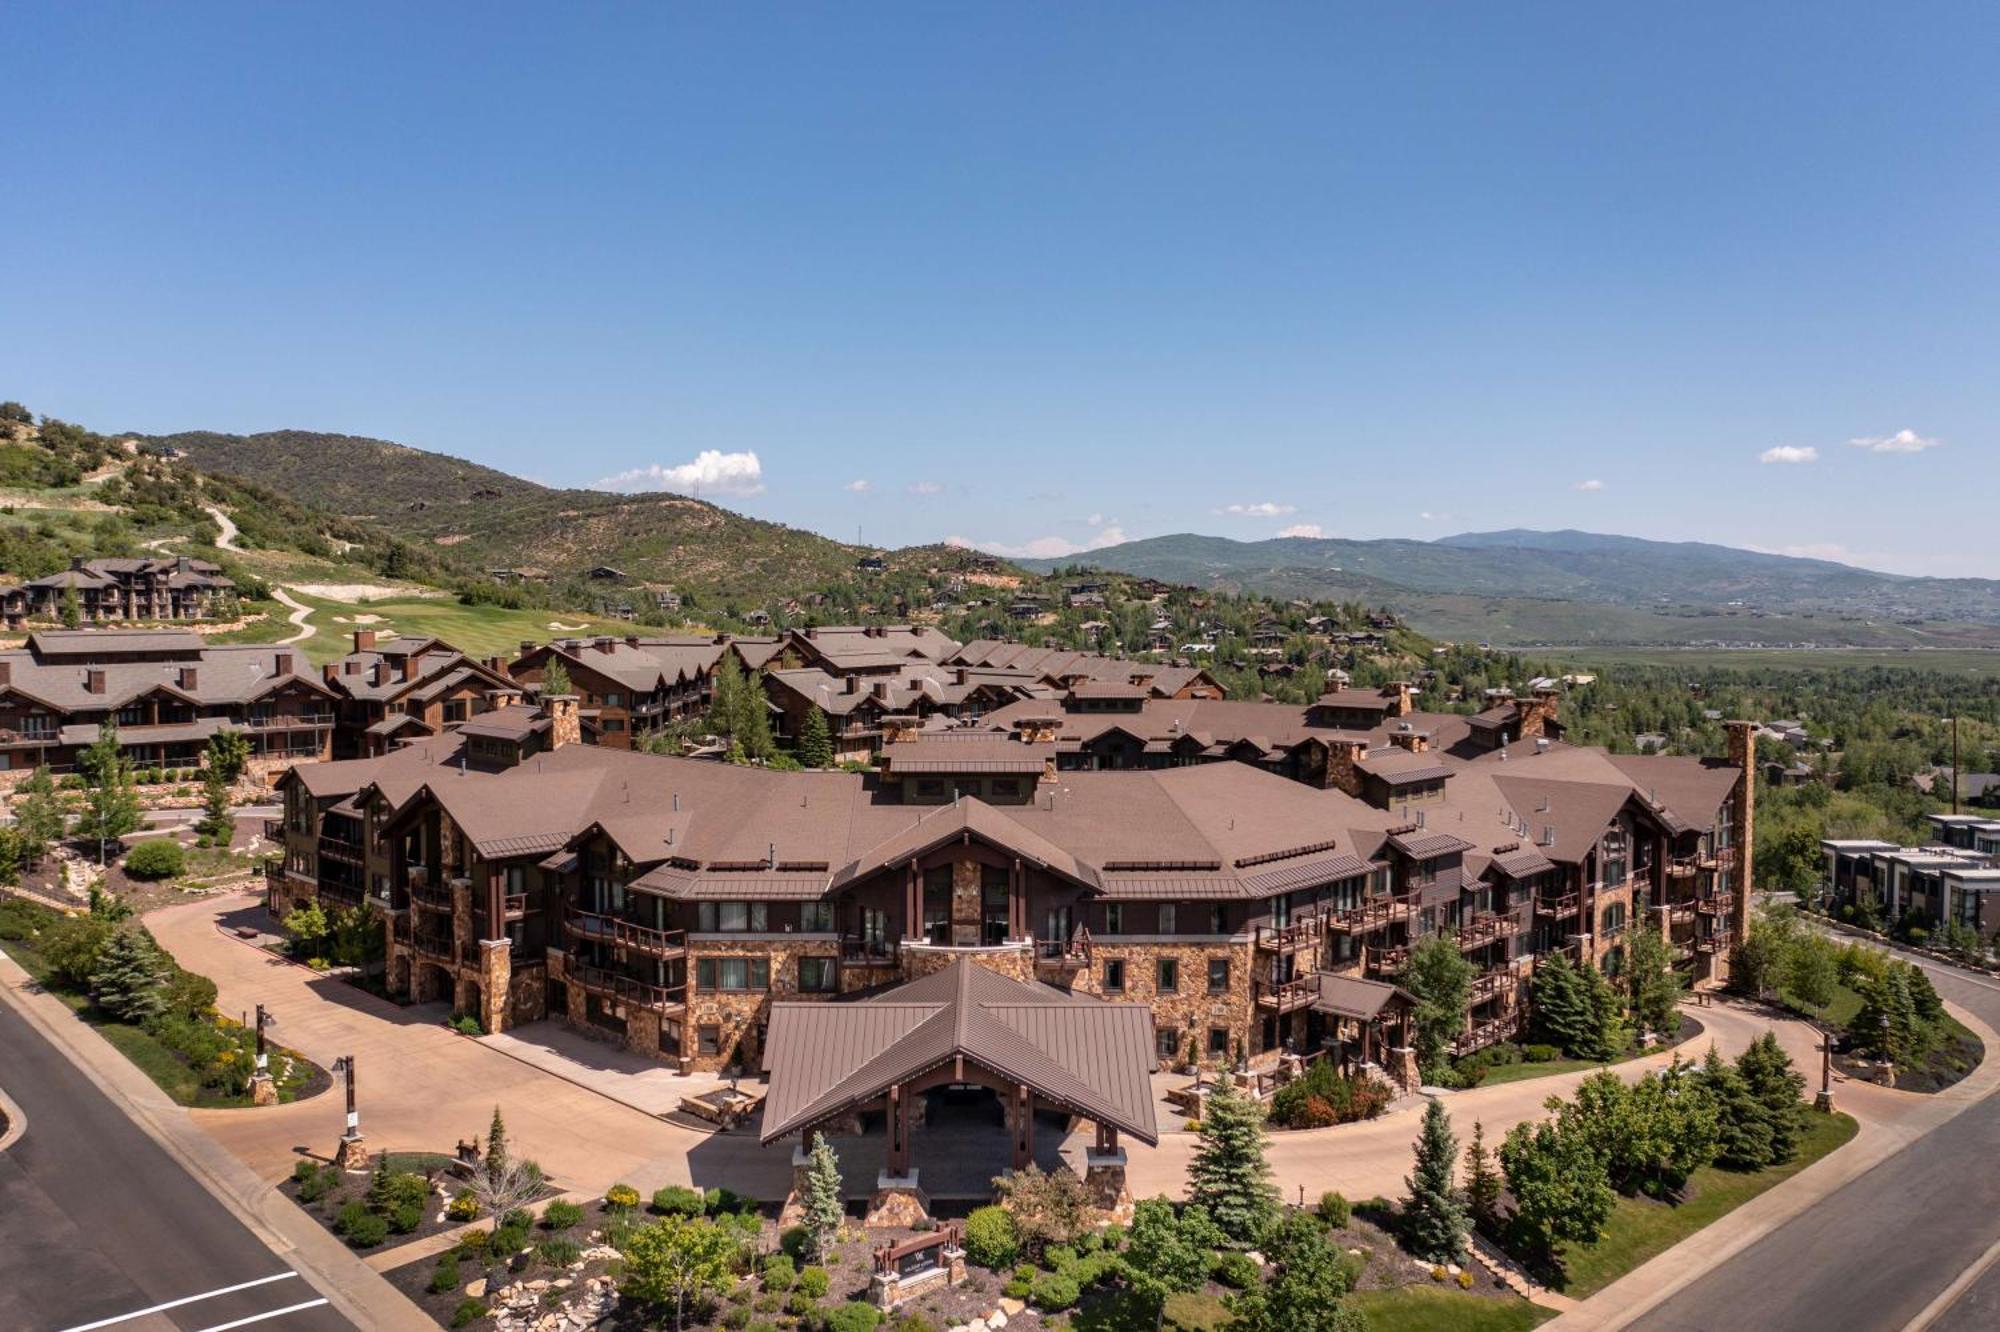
(966,907)
(263,1089)
(1401,1066)
(496,979)
(1104,1181)
(794,1210)
(898,1201)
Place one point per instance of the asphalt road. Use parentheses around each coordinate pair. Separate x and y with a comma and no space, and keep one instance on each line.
(99,1225)
(1873,1255)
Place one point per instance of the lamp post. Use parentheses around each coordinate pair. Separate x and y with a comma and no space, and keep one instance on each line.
(350,1155)
(1824,1101)
(263,1091)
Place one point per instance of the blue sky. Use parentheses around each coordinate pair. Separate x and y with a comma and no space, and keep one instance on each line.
(1038,276)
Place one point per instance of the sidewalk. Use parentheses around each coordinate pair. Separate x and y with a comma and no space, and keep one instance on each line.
(348,1284)
(646,1085)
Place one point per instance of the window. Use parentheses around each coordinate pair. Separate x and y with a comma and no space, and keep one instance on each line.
(455,710)
(610,725)
(710,1038)
(1005,788)
(816,975)
(1114,975)
(1167,975)
(1166,918)
(816,917)
(614,700)
(996,904)
(1218,1041)
(937,905)
(731,917)
(1166,1043)
(1218,975)
(734,973)
(1114,918)
(1613,919)
(930,787)
(1218,920)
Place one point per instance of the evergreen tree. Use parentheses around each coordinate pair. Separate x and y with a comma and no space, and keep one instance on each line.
(815,740)
(824,1210)
(1229,1177)
(228,753)
(1652,986)
(72,609)
(38,816)
(1768,1075)
(1576,1010)
(555,677)
(111,803)
(1924,996)
(1606,1035)
(1482,1183)
(495,1163)
(218,820)
(129,978)
(1887,1024)
(1440,979)
(1743,1125)
(1434,1215)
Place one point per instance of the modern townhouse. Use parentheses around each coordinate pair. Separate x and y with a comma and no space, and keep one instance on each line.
(1955,879)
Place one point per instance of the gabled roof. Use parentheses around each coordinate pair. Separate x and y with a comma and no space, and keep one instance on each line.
(1081,1054)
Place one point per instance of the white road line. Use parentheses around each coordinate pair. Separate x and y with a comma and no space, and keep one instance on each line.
(189,1299)
(258,1318)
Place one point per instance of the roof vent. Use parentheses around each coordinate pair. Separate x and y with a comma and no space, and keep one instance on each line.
(1420,818)
(1543,807)
(1548,834)
(677,801)
(1541,744)
(771,854)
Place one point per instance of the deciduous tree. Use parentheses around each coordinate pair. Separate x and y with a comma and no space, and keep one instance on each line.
(1440,979)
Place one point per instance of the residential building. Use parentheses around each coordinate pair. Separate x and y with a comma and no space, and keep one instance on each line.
(1955,878)
(169,587)
(628,688)
(167,691)
(394,688)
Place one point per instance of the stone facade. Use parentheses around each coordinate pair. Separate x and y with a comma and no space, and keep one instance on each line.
(1014,961)
(1191,1010)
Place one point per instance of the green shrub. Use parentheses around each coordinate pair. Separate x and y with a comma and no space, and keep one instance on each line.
(1017,1287)
(720,1201)
(561,1215)
(853,1317)
(1059,1257)
(1114,1237)
(508,1240)
(317,1185)
(469,1310)
(991,1238)
(1325,1096)
(622,1196)
(161,858)
(1335,1210)
(304,1170)
(813,1282)
(674,1200)
(473,1243)
(405,1217)
(517,1218)
(762,1325)
(1053,1291)
(347,1216)
(462,1207)
(367,1231)
(1235,1270)
(794,1241)
(801,1305)
(559,1252)
(913,1322)
(769,1302)
(444,1276)
(780,1272)
(736,1319)
(1465,1280)
(1540,1054)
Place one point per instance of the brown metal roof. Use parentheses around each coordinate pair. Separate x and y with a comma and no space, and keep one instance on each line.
(1080,1054)
(1351,996)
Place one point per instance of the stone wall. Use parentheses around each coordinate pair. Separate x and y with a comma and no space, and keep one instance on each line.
(1014,961)
(1191,1010)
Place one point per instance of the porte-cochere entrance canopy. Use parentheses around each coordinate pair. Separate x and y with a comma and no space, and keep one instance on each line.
(1038,1046)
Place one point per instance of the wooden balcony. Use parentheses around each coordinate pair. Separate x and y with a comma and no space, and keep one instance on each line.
(1387,961)
(429,895)
(1682,867)
(1071,954)
(1489,927)
(1715,904)
(1566,905)
(1304,933)
(1482,1034)
(624,934)
(856,951)
(515,905)
(1499,983)
(1721,941)
(1720,858)
(627,989)
(274,830)
(1371,915)
(1286,996)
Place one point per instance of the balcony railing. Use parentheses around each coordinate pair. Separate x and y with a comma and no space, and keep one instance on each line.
(1285,996)
(1719,941)
(1482,1034)
(283,722)
(515,905)
(629,989)
(1387,961)
(274,830)
(1370,915)
(1076,951)
(1715,904)
(1682,867)
(1487,928)
(430,895)
(1566,905)
(856,951)
(1496,984)
(625,934)
(438,947)
(1301,933)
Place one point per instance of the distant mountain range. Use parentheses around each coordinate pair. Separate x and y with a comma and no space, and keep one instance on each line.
(1526,587)
(1515,587)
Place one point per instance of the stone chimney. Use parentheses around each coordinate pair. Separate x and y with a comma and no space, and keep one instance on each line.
(1743,813)
(898,727)
(76,562)
(1404,698)
(1037,730)
(331,672)
(850,685)
(6,672)
(1533,714)
(880,689)
(1341,756)
(565,726)
(1417,742)
(364,640)
(528,645)
(962,675)
(606,644)
(93,680)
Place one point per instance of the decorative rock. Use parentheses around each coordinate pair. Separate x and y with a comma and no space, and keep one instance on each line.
(998,1318)
(1451,1268)
(475,1288)
(1011,1307)
(1255,1257)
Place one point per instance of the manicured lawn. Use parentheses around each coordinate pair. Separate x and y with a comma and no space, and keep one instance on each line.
(1640,1228)
(1438,1309)
(1524,1070)
(481,631)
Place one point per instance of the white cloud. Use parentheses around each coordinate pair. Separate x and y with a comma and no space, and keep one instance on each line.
(1097,520)
(859,486)
(1265,510)
(1313,530)
(1593,485)
(1430,517)
(712,472)
(1903,441)
(925,488)
(1789,453)
(1042,548)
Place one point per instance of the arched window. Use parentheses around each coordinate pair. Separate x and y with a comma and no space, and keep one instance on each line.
(1612,921)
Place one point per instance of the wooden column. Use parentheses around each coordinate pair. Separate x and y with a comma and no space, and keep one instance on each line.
(1024,1127)
(899,1131)
(496,904)
(1107,1139)
(913,904)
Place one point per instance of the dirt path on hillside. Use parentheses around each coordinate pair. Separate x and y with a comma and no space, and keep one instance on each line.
(301,614)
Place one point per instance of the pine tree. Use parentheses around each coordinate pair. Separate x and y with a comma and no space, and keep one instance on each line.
(72,609)
(129,977)
(1886,1025)
(38,816)
(1606,1036)
(815,740)
(1229,1176)
(1434,1215)
(111,804)
(1779,1088)
(496,1145)
(824,1210)
(1743,1125)
(228,753)
(555,677)
(1482,1183)
(217,818)
(1576,1010)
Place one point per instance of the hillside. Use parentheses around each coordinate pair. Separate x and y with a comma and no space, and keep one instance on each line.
(482,519)
(1527,587)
